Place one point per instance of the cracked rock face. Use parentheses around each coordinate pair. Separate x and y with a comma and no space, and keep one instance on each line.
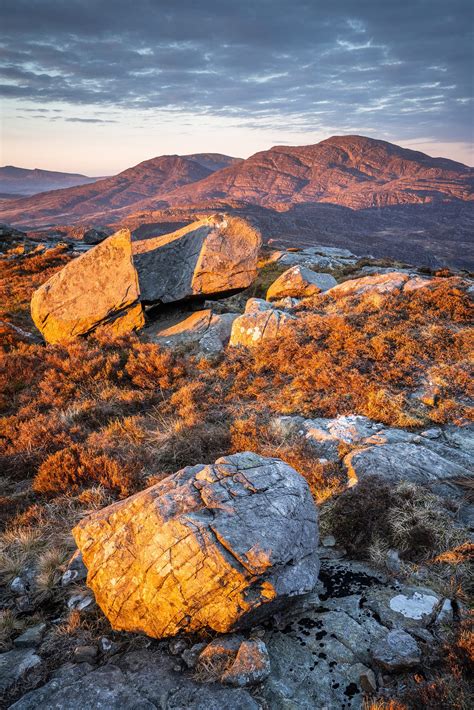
(218,546)
(107,285)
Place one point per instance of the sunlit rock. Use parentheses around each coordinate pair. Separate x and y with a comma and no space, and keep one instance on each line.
(299,282)
(218,546)
(107,285)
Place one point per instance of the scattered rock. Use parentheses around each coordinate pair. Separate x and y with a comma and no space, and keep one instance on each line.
(367,680)
(328,541)
(299,282)
(208,331)
(191,655)
(30,637)
(14,664)
(376,285)
(81,601)
(76,570)
(140,679)
(85,654)
(397,651)
(251,665)
(259,322)
(216,546)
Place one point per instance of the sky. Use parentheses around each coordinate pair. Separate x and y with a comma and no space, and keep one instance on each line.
(95,86)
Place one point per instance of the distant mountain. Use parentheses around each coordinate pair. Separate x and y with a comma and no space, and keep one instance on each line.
(352,171)
(100,200)
(21,181)
(350,191)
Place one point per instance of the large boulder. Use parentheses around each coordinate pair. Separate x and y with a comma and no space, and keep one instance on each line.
(218,546)
(299,282)
(375,286)
(261,321)
(98,288)
(214,255)
(107,285)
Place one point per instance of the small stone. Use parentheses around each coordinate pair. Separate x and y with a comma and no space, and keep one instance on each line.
(445,614)
(82,601)
(190,655)
(367,681)
(398,650)
(328,541)
(18,586)
(393,562)
(176,646)
(30,637)
(431,433)
(85,654)
(251,665)
(76,570)
(109,647)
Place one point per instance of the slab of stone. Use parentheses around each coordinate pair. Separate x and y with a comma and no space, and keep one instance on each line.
(251,665)
(397,651)
(15,664)
(140,679)
(31,637)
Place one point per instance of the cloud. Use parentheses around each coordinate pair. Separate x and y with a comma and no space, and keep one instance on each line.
(313,65)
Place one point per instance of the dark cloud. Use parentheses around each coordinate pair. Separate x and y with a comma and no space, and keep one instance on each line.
(390,67)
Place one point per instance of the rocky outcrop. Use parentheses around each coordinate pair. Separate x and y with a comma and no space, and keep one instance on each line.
(261,321)
(299,282)
(141,679)
(437,458)
(108,285)
(216,546)
(375,285)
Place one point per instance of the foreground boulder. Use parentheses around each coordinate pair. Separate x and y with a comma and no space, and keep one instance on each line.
(218,546)
(107,285)
(299,282)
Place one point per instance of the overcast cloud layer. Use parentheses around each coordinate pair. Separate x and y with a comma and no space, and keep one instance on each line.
(400,69)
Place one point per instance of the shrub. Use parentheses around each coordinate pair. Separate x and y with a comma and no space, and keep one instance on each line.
(75,468)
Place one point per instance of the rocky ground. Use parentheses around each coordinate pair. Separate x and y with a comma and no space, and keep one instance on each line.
(353,372)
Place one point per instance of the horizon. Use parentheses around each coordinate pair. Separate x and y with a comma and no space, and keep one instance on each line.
(103,175)
(89,91)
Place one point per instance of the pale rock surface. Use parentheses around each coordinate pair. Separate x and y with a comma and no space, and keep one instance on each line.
(100,287)
(299,282)
(251,665)
(216,546)
(376,285)
(261,321)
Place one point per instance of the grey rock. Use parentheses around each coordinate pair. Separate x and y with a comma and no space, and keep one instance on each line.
(140,679)
(209,332)
(18,586)
(94,236)
(82,601)
(328,541)
(14,664)
(299,282)
(30,637)
(398,650)
(85,654)
(177,645)
(191,655)
(251,665)
(409,607)
(76,570)
(246,518)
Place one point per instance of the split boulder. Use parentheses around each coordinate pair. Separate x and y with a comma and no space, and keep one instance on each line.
(107,285)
